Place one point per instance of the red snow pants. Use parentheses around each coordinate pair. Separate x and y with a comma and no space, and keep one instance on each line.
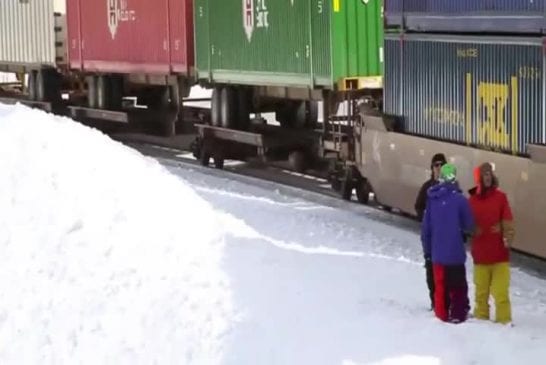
(451,302)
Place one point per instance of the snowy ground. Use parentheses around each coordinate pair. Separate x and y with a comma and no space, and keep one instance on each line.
(107,258)
(321,285)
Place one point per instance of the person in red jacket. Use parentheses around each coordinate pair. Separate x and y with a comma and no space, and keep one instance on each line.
(490,245)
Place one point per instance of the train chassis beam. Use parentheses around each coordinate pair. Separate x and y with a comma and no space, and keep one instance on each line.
(264,142)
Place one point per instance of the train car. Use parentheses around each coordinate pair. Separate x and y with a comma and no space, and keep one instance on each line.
(132,47)
(467,16)
(33,44)
(283,56)
(475,99)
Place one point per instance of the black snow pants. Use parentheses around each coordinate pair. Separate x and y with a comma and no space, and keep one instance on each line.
(430,281)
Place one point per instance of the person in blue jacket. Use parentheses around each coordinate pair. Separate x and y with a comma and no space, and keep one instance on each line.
(448,218)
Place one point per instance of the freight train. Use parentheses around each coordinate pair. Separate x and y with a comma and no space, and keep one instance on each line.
(412,78)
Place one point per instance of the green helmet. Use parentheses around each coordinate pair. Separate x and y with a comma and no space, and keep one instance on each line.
(448,173)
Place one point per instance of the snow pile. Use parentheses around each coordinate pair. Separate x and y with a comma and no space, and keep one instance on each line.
(105,257)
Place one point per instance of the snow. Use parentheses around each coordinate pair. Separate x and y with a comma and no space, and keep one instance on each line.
(105,256)
(320,281)
(113,258)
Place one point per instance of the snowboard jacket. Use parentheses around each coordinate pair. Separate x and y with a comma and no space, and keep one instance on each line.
(447,219)
(494,223)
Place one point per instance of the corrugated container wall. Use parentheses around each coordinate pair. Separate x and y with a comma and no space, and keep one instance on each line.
(131,36)
(472,16)
(27,33)
(479,91)
(301,43)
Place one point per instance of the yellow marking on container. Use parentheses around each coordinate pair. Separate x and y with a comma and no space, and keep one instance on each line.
(492,105)
(515,91)
(468,108)
(337,5)
(360,83)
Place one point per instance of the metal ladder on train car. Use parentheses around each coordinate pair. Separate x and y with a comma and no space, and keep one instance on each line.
(338,130)
(339,144)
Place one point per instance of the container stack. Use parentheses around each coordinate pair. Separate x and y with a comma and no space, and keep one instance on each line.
(468,71)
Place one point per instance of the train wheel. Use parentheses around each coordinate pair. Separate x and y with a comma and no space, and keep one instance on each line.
(91,91)
(333,175)
(175,101)
(216,101)
(285,114)
(347,184)
(116,92)
(204,157)
(103,89)
(335,184)
(243,109)
(228,110)
(32,76)
(41,85)
(297,161)
(363,190)
(48,85)
(176,104)
(155,97)
(218,162)
(306,115)
(168,128)
(298,114)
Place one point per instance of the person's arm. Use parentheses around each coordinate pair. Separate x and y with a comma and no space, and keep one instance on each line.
(421,202)
(507,223)
(467,218)
(426,235)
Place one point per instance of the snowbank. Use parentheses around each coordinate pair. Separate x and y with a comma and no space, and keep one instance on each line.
(105,257)
(321,281)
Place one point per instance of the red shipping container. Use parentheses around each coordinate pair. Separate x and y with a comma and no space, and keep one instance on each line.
(131,36)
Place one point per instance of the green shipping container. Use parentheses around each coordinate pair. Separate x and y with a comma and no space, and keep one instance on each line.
(333,44)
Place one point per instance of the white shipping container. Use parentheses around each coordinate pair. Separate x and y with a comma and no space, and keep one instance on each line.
(32,34)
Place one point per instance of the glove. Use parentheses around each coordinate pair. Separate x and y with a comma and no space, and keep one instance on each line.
(428,261)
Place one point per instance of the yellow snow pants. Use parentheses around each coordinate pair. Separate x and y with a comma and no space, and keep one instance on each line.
(494,280)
